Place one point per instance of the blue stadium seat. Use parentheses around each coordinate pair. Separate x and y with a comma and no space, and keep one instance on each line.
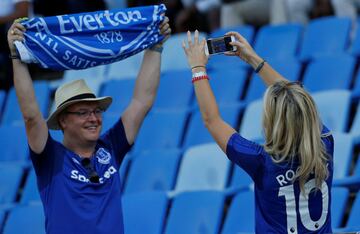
(13,143)
(198,134)
(228,84)
(57,135)
(246,31)
(121,91)
(352,181)
(352,224)
(173,56)
(144,212)
(203,167)
(356,88)
(334,108)
(93,77)
(175,90)
(2,100)
(223,62)
(125,69)
(278,41)
(290,68)
(109,119)
(355,127)
(338,205)
(325,36)
(161,130)
(240,217)
(12,114)
(355,45)
(240,179)
(153,170)
(30,193)
(26,219)
(196,212)
(331,72)
(251,124)
(10,179)
(343,152)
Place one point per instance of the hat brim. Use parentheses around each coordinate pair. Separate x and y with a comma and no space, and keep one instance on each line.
(52,121)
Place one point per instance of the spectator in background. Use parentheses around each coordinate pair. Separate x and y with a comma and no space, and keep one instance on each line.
(201,14)
(254,12)
(293,170)
(9,11)
(61,7)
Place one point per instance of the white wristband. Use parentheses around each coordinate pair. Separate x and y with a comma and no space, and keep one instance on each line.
(198,74)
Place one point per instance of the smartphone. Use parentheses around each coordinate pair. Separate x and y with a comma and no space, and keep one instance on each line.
(219,45)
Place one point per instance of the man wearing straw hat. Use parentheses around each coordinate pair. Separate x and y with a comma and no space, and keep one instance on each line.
(78,180)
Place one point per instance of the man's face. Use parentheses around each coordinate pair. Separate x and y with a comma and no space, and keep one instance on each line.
(82,121)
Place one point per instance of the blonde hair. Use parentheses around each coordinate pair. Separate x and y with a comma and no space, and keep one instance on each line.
(292,130)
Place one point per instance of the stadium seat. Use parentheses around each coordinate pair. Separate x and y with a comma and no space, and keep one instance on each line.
(30,192)
(355,126)
(198,134)
(93,77)
(196,212)
(274,42)
(144,212)
(334,108)
(125,69)
(161,130)
(355,44)
(10,179)
(228,84)
(121,91)
(251,124)
(223,62)
(109,119)
(26,219)
(240,217)
(352,224)
(338,205)
(173,56)
(325,36)
(13,143)
(12,114)
(203,167)
(356,89)
(153,170)
(240,180)
(352,181)
(175,90)
(290,68)
(57,135)
(331,72)
(343,152)
(2,101)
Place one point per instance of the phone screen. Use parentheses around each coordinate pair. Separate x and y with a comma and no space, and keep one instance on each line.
(219,45)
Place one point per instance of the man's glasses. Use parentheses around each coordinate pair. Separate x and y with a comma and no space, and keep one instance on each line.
(84,114)
(92,174)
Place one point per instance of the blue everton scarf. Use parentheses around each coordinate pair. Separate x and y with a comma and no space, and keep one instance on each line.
(79,41)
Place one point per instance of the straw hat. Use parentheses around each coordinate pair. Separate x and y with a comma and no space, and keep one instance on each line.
(71,93)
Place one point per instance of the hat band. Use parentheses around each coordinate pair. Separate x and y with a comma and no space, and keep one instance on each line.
(77,97)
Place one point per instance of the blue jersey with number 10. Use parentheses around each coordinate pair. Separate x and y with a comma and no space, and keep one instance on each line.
(280,207)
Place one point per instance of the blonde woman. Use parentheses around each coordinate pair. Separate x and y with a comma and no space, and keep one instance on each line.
(293,170)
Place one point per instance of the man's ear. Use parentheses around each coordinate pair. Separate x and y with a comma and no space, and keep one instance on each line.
(61,121)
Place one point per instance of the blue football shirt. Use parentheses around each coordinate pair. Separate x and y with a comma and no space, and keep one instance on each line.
(72,203)
(280,207)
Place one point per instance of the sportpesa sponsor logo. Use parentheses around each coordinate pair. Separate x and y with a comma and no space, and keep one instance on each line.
(108,173)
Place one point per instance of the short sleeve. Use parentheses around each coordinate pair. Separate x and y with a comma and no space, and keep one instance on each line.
(48,162)
(246,154)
